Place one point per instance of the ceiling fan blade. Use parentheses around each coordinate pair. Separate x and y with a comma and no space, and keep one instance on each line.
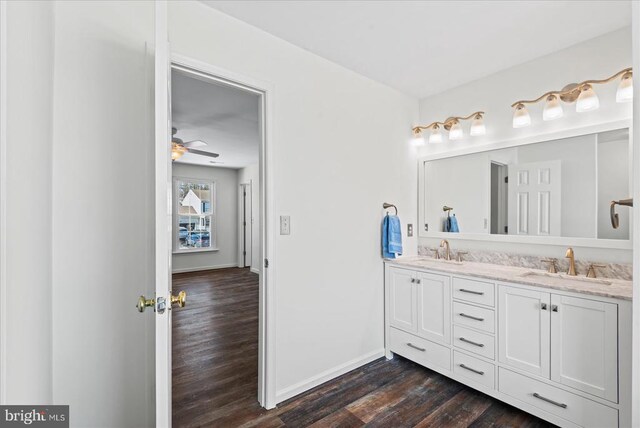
(202,153)
(195,143)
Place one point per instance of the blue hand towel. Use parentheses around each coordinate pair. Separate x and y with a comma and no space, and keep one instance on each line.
(391,237)
(453,224)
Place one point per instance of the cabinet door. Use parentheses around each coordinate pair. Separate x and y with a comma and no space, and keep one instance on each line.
(584,345)
(402,300)
(434,307)
(523,329)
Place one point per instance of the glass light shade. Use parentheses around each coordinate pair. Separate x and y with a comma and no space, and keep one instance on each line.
(177,151)
(477,126)
(521,117)
(455,132)
(625,89)
(552,109)
(418,139)
(587,100)
(436,135)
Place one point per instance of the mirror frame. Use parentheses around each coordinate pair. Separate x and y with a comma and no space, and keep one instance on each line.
(623,244)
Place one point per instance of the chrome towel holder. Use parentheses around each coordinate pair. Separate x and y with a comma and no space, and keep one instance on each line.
(386,205)
(615,221)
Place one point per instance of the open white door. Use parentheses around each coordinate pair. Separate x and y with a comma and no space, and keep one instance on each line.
(163,217)
(534,198)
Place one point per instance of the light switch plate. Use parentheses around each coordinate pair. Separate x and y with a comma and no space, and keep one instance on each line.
(285,225)
(409,230)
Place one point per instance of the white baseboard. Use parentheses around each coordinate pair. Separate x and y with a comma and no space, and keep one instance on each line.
(327,375)
(256,271)
(199,268)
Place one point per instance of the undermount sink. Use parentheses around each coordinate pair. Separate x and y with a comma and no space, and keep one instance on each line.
(566,278)
(451,262)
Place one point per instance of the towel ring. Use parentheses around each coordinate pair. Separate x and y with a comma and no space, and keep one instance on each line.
(615,220)
(386,205)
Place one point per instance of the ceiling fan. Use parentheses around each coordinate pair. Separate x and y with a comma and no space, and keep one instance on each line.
(179,147)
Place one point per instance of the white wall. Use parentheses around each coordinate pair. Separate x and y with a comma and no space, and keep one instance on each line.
(251,174)
(340,144)
(226,207)
(596,58)
(103,220)
(28,171)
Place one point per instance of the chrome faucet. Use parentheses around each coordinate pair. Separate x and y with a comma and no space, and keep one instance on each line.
(447,252)
(572,262)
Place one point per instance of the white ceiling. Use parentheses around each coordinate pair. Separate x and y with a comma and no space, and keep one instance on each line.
(226,118)
(425,47)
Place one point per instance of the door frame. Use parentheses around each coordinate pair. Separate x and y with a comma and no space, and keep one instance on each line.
(3,202)
(245,230)
(267,309)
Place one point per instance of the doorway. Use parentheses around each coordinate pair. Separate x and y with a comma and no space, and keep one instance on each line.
(218,339)
(499,198)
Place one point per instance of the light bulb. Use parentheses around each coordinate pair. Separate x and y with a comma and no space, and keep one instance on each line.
(477,126)
(417,139)
(436,135)
(552,109)
(455,132)
(587,100)
(177,151)
(625,89)
(521,117)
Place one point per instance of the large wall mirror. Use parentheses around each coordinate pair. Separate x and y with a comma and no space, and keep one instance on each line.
(555,188)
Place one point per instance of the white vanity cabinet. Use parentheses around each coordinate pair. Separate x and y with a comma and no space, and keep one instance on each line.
(572,341)
(419,304)
(562,356)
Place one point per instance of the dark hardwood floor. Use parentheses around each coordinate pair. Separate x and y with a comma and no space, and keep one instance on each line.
(215,375)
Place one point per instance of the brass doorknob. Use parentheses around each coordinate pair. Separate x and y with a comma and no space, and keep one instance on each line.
(143,303)
(180,299)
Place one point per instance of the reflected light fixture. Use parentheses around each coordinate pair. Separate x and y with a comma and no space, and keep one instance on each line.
(521,117)
(453,125)
(625,89)
(582,94)
(552,109)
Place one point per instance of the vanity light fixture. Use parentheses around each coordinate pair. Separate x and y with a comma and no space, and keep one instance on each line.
(453,125)
(582,94)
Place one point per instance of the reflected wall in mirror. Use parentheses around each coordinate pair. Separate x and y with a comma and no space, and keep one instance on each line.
(553,188)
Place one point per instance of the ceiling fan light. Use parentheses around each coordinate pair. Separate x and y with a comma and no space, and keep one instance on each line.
(455,132)
(587,100)
(177,151)
(624,94)
(477,126)
(521,117)
(552,109)
(436,135)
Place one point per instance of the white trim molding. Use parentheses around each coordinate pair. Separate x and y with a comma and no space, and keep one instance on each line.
(3,201)
(268,219)
(327,375)
(203,268)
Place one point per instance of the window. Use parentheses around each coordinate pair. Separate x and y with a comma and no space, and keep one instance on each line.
(194,219)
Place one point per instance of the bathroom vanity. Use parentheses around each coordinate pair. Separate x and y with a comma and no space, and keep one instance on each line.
(553,345)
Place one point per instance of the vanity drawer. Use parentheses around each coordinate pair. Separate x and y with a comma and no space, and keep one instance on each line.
(474,369)
(419,350)
(564,404)
(474,291)
(473,316)
(474,341)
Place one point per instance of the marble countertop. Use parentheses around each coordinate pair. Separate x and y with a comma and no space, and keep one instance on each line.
(606,287)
